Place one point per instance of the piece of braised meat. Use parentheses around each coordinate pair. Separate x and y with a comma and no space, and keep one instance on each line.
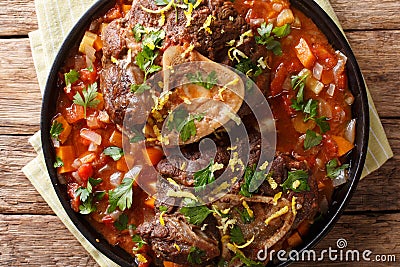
(173,240)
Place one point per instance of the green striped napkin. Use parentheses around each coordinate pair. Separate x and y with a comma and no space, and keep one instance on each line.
(55,19)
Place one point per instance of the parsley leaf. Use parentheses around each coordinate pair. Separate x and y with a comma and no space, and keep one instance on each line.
(332,169)
(208,82)
(71,77)
(249,68)
(251,178)
(298,82)
(58,163)
(153,39)
(86,196)
(121,196)
(297,181)
(310,110)
(56,129)
(114,152)
(139,242)
(282,31)
(237,235)
(195,255)
(163,208)
(145,61)
(122,222)
(312,139)
(323,124)
(268,34)
(245,216)
(87,207)
(195,215)
(204,176)
(138,32)
(184,123)
(89,98)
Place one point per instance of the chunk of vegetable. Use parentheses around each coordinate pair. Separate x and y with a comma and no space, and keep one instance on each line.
(67,155)
(116,138)
(66,129)
(304,54)
(91,136)
(154,154)
(121,165)
(87,41)
(74,113)
(344,146)
(149,202)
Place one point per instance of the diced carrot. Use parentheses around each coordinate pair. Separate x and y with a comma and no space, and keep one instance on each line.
(100,105)
(74,113)
(304,54)
(98,44)
(171,264)
(294,240)
(154,154)
(67,155)
(66,128)
(116,138)
(344,146)
(126,8)
(149,202)
(121,165)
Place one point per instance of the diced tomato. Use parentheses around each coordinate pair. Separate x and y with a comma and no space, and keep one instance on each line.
(85,171)
(74,113)
(342,81)
(329,148)
(108,220)
(87,76)
(324,56)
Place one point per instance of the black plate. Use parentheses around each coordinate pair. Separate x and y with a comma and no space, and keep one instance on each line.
(341,195)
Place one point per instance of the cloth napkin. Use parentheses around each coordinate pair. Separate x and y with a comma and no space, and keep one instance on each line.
(55,19)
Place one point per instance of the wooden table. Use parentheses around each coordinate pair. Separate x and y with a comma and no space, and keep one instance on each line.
(30,233)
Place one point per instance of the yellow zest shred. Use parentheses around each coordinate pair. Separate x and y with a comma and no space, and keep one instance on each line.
(198,2)
(141,258)
(263,63)
(157,133)
(151,139)
(159,11)
(294,210)
(188,14)
(249,211)
(161,21)
(207,23)
(277,197)
(187,51)
(231,18)
(162,222)
(235,161)
(216,167)
(245,244)
(232,248)
(249,33)
(296,184)
(233,53)
(226,222)
(172,181)
(225,238)
(232,148)
(181,194)
(178,248)
(272,182)
(183,166)
(231,42)
(264,166)
(157,115)
(114,60)
(277,214)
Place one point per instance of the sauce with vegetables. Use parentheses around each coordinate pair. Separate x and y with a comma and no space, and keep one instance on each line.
(295,68)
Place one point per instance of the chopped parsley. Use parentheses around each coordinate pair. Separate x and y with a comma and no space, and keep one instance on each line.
(297,181)
(236,235)
(208,82)
(298,82)
(138,32)
(89,97)
(195,255)
(163,208)
(206,175)
(86,195)
(139,242)
(122,222)
(138,136)
(114,152)
(251,179)
(310,110)
(71,77)
(245,216)
(56,129)
(268,34)
(332,169)
(184,123)
(121,196)
(145,61)
(248,67)
(58,163)
(196,215)
(312,139)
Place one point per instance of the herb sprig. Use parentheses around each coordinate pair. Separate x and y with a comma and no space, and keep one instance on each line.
(208,82)
(268,36)
(56,129)
(121,196)
(86,196)
(89,98)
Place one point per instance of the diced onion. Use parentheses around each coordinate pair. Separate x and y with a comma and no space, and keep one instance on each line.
(339,68)
(104,117)
(91,136)
(316,87)
(88,158)
(92,147)
(285,17)
(56,143)
(256,22)
(277,7)
(78,179)
(317,71)
(350,132)
(340,179)
(76,164)
(115,215)
(90,53)
(349,100)
(115,179)
(331,89)
(93,122)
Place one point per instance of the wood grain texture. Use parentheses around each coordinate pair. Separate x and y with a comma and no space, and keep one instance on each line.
(52,244)
(17,17)
(18,196)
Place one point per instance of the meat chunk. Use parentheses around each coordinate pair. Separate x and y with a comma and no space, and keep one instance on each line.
(118,39)
(174,240)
